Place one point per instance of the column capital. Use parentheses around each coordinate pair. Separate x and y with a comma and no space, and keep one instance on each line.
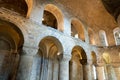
(30,50)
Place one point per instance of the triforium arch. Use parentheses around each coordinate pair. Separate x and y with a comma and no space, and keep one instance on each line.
(11,42)
(91,36)
(77,29)
(77,62)
(108,68)
(116,33)
(47,60)
(23,7)
(103,38)
(55,12)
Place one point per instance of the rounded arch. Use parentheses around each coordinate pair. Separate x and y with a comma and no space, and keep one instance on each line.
(116,33)
(51,46)
(58,14)
(77,28)
(8,29)
(91,36)
(80,53)
(106,57)
(103,38)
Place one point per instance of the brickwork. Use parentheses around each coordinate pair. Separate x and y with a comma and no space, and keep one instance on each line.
(28,66)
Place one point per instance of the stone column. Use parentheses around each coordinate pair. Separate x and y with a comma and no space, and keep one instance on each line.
(94,73)
(36,68)
(37,13)
(87,72)
(55,70)
(110,72)
(25,65)
(100,73)
(117,72)
(64,68)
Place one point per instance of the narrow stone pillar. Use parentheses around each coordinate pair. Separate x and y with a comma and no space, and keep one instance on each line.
(64,68)
(37,13)
(55,70)
(36,68)
(100,73)
(110,72)
(87,72)
(25,65)
(76,70)
(117,72)
(50,70)
(94,72)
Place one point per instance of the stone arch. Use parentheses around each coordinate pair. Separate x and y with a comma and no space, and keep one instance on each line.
(58,15)
(91,36)
(12,40)
(50,42)
(108,68)
(19,6)
(103,38)
(77,28)
(49,54)
(8,29)
(76,63)
(116,33)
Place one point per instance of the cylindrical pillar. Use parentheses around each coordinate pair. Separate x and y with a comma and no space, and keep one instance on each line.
(117,72)
(26,62)
(110,73)
(64,68)
(76,70)
(100,73)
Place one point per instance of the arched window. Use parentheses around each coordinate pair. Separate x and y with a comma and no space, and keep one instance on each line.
(91,36)
(116,33)
(53,17)
(103,39)
(49,20)
(77,29)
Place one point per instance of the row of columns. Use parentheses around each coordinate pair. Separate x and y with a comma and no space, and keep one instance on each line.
(60,70)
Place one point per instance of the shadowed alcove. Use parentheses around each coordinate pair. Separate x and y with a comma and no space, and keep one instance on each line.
(11,41)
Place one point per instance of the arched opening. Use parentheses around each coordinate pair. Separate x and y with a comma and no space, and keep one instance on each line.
(116,33)
(53,17)
(103,38)
(11,41)
(77,62)
(49,20)
(94,63)
(47,60)
(77,29)
(108,68)
(91,36)
(19,6)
